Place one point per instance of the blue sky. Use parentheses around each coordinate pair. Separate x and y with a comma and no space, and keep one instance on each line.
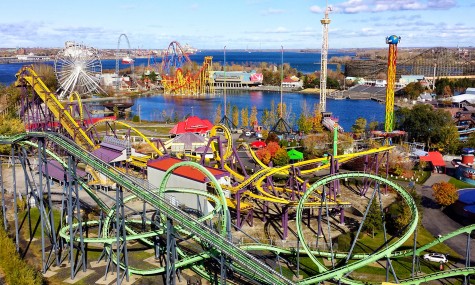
(253,24)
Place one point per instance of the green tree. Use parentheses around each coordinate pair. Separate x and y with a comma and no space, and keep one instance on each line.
(413,90)
(373,221)
(359,127)
(423,123)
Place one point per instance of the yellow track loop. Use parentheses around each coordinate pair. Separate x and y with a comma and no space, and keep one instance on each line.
(159,153)
(75,95)
(229,144)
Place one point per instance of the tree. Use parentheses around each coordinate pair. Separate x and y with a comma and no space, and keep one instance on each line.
(305,124)
(359,126)
(235,115)
(445,193)
(217,116)
(264,155)
(281,157)
(245,117)
(273,147)
(373,221)
(253,117)
(423,123)
(413,90)
(10,127)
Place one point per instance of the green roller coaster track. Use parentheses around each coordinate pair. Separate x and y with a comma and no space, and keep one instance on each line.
(219,241)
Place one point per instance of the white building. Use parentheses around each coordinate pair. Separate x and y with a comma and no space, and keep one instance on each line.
(184,178)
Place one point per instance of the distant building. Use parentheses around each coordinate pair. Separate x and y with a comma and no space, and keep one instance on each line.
(235,78)
(292,82)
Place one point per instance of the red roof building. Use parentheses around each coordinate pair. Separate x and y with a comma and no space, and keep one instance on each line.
(192,125)
(435,158)
(185,177)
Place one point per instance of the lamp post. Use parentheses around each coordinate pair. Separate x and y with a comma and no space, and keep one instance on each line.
(281,79)
(224,68)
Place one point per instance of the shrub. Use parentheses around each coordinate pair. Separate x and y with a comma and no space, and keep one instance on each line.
(16,270)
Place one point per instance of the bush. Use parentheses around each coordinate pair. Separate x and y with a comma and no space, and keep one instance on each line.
(136,118)
(16,270)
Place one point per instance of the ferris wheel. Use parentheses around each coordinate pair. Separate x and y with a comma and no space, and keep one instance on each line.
(77,68)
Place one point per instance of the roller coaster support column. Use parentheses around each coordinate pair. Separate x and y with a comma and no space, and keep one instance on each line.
(4,208)
(15,209)
(121,246)
(414,256)
(171,254)
(47,217)
(74,215)
(285,221)
(467,260)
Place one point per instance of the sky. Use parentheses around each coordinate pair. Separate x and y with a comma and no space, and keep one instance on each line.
(244,24)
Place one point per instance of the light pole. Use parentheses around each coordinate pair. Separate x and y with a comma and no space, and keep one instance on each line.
(281,79)
(224,68)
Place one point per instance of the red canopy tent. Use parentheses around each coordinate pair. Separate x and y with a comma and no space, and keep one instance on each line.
(192,125)
(258,144)
(435,158)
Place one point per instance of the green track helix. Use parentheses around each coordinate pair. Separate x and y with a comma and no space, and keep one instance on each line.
(218,240)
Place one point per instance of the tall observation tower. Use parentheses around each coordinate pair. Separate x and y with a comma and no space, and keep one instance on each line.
(323,64)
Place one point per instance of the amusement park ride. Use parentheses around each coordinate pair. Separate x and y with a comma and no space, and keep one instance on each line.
(202,238)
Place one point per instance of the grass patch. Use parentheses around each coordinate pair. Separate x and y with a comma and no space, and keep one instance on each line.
(460,184)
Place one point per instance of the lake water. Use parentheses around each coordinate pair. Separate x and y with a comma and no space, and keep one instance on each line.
(347,111)
(152,107)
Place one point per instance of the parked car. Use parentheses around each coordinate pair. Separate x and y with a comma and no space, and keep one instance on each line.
(248,134)
(435,257)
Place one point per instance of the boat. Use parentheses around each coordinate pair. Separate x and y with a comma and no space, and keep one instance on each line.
(187,49)
(127,60)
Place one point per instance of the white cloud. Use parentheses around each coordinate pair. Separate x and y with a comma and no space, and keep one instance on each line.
(272,11)
(362,6)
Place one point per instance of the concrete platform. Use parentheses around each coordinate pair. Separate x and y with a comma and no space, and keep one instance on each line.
(80,275)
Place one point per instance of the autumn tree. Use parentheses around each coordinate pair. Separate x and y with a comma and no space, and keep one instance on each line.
(281,157)
(359,126)
(264,155)
(253,117)
(413,90)
(217,116)
(235,115)
(445,193)
(273,147)
(10,127)
(245,117)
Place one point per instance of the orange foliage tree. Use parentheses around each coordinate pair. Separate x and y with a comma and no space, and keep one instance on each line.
(445,193)
(264,155)
(273,147)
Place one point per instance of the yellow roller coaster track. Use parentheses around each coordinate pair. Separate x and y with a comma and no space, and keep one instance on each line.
(28,77)
(154,147)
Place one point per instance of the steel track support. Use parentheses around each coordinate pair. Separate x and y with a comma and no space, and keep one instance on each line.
(414,254)
(121,245)
(41,205)
(74,216)
(15,205)
(171,255)
(467,259)
(4,208)
(223,269)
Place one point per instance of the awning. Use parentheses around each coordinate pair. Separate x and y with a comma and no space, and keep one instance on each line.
(433,157)
(295,154)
